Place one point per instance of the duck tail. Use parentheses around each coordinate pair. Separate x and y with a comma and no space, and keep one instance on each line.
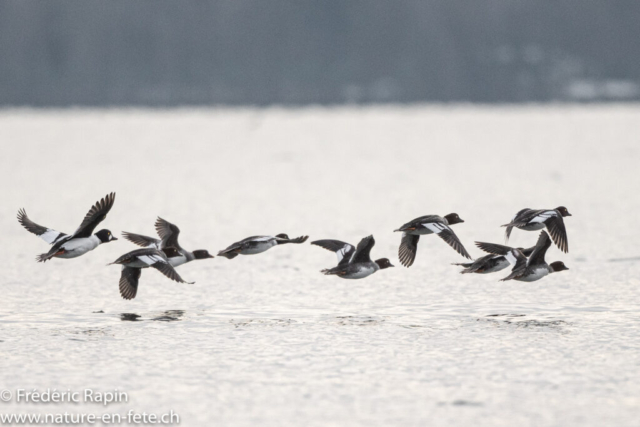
(44,257)
(463,264)
(328,271)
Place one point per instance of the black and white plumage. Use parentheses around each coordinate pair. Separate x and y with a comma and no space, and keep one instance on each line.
(258,244)
(537,219)
(82,240)
(527,270)
(428,224)
(353,263)
(490,263)
(168,243)
(134,261)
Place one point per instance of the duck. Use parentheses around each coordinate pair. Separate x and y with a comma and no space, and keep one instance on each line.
(532,269)
(258,244)
(81,241)
(168,234)
(353,263)
(133,262)
(490,263)
(428,224)
(537,219)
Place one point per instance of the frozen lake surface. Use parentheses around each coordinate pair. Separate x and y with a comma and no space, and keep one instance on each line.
(267,340)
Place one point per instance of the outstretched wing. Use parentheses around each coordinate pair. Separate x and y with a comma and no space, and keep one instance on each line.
(555,225)
(168,232)
(537,256)
(95,216)
(344,251)
(140,240)
(494,248)
(129,282)
(363,250)
(49,235)
(169,271)
(408,249)
(447,234)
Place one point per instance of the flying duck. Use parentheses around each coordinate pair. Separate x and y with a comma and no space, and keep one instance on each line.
(353,263)
(490,263)
(168,233)
(532,220)
(428,224)
(258,244)
(532,269)
(133,263)
(81,241)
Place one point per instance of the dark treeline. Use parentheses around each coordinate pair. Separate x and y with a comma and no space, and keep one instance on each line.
(158,52)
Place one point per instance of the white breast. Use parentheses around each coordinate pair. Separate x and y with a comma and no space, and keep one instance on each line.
(177,260)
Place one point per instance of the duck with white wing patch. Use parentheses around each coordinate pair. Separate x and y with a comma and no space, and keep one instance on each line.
(133,263)
(490,263)
(258,244)
(527,270)
(537,219)
(353,263)
(81,241)
(168,243)
(428,224)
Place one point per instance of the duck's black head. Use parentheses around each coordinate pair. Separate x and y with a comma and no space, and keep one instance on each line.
(563,211)
(105,236)
(282,236)
(558,266)
(453,218)
(384,263)
(202,254)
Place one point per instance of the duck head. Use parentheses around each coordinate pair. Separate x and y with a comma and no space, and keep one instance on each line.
(384,263)
(453,218)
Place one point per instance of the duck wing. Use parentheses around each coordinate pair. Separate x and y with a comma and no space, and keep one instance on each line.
(363,250)
(555,225)
(344,251)
(140,240)
(537,256)
(129,282)
(95,216)
(47,234)
(168,232)
(408,249)
(447,234)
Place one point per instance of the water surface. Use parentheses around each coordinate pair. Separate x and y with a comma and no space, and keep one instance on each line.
(267,340)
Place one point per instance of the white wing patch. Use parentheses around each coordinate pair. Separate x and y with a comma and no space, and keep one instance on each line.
(543,216)
(263,239)
(50,236)
(435,227)
(151,259)
(511,257)
(340,253)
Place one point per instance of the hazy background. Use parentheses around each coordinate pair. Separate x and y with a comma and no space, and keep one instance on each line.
(239,52)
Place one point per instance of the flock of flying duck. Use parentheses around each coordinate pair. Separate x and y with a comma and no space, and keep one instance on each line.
(354,262)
